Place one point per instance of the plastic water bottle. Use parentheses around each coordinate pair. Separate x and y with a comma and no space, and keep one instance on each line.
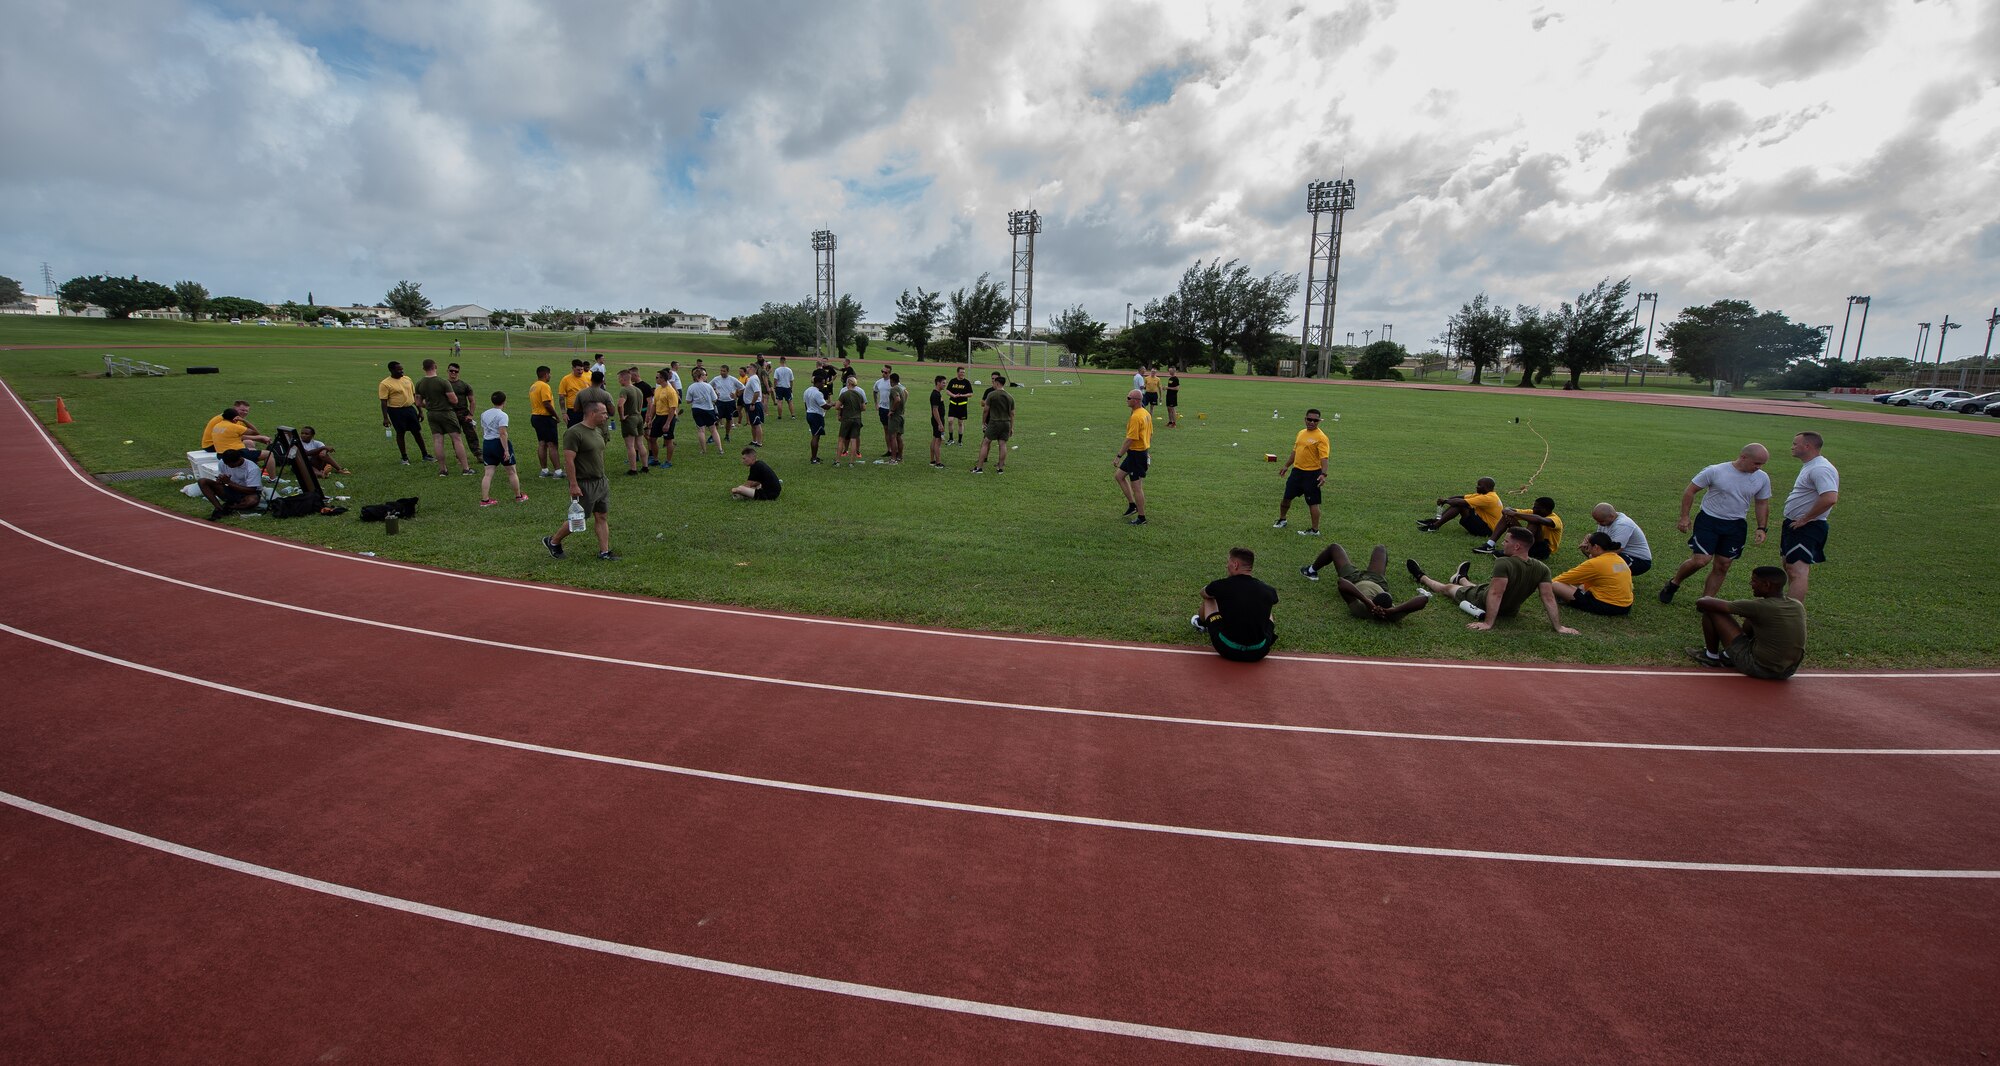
(1274,412)
(388,434)
(1477,612)
(576,516)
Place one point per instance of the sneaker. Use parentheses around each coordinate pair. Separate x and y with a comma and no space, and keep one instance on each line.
(977,470)
(1463,574)
(1131,509)
(554,548)
(1667,592)
(1139,521)
(631,473)
(1426,525)
(881,462)
(522,498)
(488,503)
(1308,532)
(406,462)
(1195,621)
(666,466)
(216,515)
(1702,656)
(645,470)
(444,473)
(467,472)
(1279,524)
(815,462)
(1310,573)
(1485,549)
(1415,570)
(609,557)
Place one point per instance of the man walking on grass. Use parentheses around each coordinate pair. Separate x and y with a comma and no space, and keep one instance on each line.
(1305,472)
(1802,542)
(583,463)
(1718,533)
(701,401)
(1134,457)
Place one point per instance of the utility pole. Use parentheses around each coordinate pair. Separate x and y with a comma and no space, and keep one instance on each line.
(1653,300)
(1944,330)
(1991,321)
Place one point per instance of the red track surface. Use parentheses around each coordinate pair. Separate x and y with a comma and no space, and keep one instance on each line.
(466,829)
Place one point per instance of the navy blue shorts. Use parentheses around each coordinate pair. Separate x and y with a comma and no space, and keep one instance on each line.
(703,419)
(494,453)
(1803,544)
(756,413)
(545,428)
(1134,464)
(816,423)
(1302,483)
(782,392)
(1722,537)
(1637,566)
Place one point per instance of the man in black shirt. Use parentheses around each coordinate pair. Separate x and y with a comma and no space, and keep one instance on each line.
(937,422)
(763,483)
(961,404)
(1236,611)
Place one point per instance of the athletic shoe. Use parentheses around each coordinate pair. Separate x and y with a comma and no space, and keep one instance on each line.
(881,462)
(1415,570)
(1139,521)
(488,503)
(1131,509)
(999,469)
(555,549)
(1702,656)
(666,466)
(467,472)
(978,470)
(631,473)
(1279,524)
(522,498)
(1308,532)
(1667,592)
(1425,525)
(1486,548)
(1462,574)
(216,515)
(1195,621)
(1310,573)
(815,462)
(444,473)
(645,470)
(608,557)
(406,462)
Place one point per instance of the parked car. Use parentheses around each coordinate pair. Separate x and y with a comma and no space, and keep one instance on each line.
(1892,397)
(1976,404)
(1912,396)
(1938,401)
(1993,409)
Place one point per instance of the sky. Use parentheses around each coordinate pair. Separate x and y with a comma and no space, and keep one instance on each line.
(679,153)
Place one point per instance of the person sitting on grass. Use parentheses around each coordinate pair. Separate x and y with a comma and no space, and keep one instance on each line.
(762,484)
(237,486)
(1771,641)
(1236,611)
(1602,583)
(319,453)
(229,432)
(1366,592)
(1478,511)
(1515,578)
(1543,521)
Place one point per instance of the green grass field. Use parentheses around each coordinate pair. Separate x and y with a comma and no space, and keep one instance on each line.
(1043,548)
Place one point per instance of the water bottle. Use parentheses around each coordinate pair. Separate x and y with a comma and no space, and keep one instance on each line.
(1274,412)
(1477,612)
(575,516)
(388,434)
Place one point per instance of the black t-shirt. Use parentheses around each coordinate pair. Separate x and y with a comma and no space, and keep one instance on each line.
(1173,383)
(961,391)
(823,377)
(937,402)
(765,477)
(647,388)
(1245,603)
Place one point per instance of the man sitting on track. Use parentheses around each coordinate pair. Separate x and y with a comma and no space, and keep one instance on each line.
(1771,642)
(1478,511)
(1236,611)
(1366,592)
(1543,520)
(1602,583)
(1515,578)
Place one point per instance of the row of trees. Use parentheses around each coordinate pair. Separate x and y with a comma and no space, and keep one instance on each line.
(1589,333)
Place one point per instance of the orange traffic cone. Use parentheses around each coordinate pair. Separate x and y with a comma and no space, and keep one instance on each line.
(62,413)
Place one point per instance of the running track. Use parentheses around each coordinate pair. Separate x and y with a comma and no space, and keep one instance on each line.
(262,803)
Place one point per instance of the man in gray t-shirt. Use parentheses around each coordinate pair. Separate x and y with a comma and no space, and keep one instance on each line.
(1625,533)
(1802,543)
(1718,534)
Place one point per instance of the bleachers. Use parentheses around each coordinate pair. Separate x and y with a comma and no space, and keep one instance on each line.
(120,367)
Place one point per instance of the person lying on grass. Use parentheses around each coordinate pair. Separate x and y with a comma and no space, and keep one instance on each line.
(1366,592)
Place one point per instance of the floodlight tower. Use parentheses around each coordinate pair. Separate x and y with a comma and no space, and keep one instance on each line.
(1023,225)
(1333,198)
(1944,330)
(826,325)
(1851,301)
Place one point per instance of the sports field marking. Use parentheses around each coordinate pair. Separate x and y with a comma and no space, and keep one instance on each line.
(763,974)
(1009,812)
(64,461)
(962,701)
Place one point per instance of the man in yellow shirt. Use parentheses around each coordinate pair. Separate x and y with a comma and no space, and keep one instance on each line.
(1478,511)
(1602,584)
(1305,472)
(398,396)
(577,380)
(1152,381)
(1134,456)
(666,411)
(242,409)
(1542,521)
(542,415)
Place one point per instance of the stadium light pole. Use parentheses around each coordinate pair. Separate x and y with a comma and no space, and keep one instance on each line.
(1350,338)
(1991,321)
(827,323)
(1944,330)
(1825,341)
(1652,299)
(1862,333)
(1387,327)
(1367,336)
(1917,357)
(1851,301)
(1128,314)
(1334,198)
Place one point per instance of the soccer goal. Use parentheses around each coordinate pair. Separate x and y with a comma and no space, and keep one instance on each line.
(1024,362)
(571,342)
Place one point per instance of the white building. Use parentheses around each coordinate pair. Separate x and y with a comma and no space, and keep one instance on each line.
(34,304)
(473,315)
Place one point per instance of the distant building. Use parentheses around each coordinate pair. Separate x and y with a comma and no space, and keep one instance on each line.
(33,304)
(472,315)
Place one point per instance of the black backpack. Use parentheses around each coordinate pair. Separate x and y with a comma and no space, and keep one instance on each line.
(378,512)
(298,504)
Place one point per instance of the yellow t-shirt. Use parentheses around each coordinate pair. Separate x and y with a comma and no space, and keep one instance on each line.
(1311,449)
(569,386)
(666,400)
(228,436)
(1553,533)
(1152,382)
(1607,577)
(400,392)
(1486,505)
(1139,431)
(208,431)
(541,399)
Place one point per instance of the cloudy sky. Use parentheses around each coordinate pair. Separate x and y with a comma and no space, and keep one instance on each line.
(678,153)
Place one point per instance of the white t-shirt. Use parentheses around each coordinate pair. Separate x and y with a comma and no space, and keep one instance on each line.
(1815,477)
(1138,380)
(701,396)
(1730,491)
(753,390)
(312,446)
(675,377)
(815,400)
(726,387)
(244,475)
(1631,539)
(491,422)
(882,393)
(782,377)
(597,367)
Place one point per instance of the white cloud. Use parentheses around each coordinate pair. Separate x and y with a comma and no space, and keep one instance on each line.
(625,154)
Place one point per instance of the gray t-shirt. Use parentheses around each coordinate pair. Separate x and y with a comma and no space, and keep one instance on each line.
(726,387)
(1729,491)
(882,393)
(491,422)
(1631,539)
(701,396)
(1815,477)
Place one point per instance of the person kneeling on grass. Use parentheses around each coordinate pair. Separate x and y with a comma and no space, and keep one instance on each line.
(1366,592)
(1515,578)
(1236,611)
(1602,583)
(237,486)
(763,483)
(1771,641)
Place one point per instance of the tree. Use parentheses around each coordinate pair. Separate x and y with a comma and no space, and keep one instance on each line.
(1265,310)
(10,291)
(1729,340)
(1379,362)
(191,297)
(118,296)
(861,346)
(1179,338)
(1482,329)
(916,317)
(790,329)
(1077,331)
(981,311)
(847,314)
(407,299)
(601,320)
(1536,335)
(237,307)
(1596,329)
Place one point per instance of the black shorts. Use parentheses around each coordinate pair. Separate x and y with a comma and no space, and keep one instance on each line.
(725,409)
(231,492)
(756,413)
(1539,549)
(1589,604)
(1803,544)
(1723,537)
(703,419)
(1173,397)
(882,416)
(1151,399)
(663,427)
(1302,483)
(816,423)
(937,427)
(1637,566)
(957,409)
(575,416)
(1232,650)
(1475,525)
(1134,464)
(406,418)
(494,453)
(545,428)
(768,492)
(782,392)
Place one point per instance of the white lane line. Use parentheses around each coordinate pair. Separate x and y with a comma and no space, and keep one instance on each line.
(766,975)
(63,460)
(1012,812)
(961,701)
